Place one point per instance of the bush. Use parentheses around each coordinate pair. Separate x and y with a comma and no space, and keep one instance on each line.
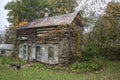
(39,65)
(6,60)
(85,66)
(89,53)
(11,60)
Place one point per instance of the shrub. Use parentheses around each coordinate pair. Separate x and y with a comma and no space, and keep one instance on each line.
(39,65)
(85,67)
(11,60)
(6,60)
(90,52)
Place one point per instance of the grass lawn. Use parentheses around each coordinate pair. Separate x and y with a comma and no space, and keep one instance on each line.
(110,72)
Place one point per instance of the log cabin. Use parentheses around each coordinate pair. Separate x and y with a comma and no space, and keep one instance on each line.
(51,40)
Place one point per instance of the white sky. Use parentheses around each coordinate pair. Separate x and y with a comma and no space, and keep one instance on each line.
(3,15)
(94,6)
(97,6)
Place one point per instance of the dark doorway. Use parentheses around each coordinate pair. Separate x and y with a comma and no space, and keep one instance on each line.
(29,52)
(38,53)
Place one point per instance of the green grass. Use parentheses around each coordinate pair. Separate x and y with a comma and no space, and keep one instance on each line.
(111,71)
(11,60)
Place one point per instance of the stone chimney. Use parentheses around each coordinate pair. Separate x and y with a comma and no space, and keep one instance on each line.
(46,12)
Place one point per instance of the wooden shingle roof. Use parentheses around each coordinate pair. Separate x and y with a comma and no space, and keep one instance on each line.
(52,21)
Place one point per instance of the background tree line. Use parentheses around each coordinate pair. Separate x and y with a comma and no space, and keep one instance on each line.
(104,39)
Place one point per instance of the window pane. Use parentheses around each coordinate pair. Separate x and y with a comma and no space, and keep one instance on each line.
(50,53)
(2,51)
(38,52)
(24,51)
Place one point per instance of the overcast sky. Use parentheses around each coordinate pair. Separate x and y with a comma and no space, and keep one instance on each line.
(3,15)
(3,12)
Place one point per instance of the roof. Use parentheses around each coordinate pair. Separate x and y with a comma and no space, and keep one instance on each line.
(52,21)
(6,46)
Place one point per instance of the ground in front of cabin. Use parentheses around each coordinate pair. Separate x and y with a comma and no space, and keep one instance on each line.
(110,72)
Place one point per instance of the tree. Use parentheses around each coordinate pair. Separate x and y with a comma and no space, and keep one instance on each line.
(10,35)
(21,10)
(59,7)
(106,32)
(24,10)
(2,39)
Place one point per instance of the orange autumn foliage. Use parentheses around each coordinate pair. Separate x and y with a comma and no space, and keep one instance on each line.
(23,23)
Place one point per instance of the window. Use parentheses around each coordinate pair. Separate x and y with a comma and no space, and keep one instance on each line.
(29,52)
(38,52)
(20,46)
(24,51)
(3,52)
(50,53)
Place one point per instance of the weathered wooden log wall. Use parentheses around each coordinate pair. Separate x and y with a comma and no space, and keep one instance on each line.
(70,45)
